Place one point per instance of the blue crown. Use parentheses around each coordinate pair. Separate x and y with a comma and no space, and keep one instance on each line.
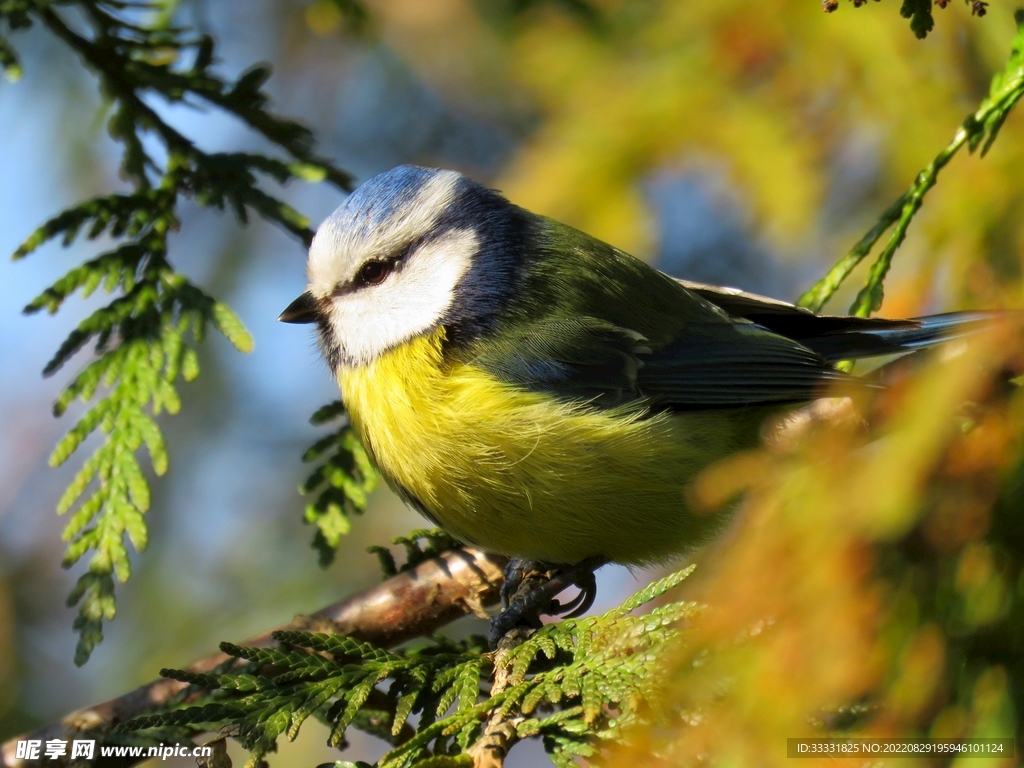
(379,198)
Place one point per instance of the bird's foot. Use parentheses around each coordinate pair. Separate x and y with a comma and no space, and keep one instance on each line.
(530,588)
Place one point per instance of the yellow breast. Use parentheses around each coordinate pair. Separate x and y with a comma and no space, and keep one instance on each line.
(521,473)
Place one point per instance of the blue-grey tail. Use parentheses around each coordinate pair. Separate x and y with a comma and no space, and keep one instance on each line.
(839,337)
(859,337)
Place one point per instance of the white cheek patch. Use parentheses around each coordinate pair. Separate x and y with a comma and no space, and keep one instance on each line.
(372,320)
(339,248)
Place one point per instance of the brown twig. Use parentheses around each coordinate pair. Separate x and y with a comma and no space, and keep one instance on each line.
(499,734)
(413,603)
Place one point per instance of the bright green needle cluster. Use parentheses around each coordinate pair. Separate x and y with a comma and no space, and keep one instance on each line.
(421,544)
(979,129)
(574,684)
(144,339)
(344,481)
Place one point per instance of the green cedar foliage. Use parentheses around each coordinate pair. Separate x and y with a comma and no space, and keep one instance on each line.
(344,480)
(919,12)
(421,544)
(144,339)
(573,684)
(979,129)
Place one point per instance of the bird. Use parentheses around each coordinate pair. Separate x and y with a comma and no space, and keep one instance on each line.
(541,394)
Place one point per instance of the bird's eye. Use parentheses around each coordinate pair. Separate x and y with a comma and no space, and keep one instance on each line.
(374,272)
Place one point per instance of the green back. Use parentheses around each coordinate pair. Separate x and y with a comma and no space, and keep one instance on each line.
(590,322)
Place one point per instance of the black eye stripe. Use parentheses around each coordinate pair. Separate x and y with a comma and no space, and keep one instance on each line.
(376,271)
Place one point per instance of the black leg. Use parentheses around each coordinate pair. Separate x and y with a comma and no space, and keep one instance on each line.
(522,574)
(530,588)
(522,579)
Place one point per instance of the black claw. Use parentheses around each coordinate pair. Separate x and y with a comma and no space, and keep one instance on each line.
(588,593)
(558,608)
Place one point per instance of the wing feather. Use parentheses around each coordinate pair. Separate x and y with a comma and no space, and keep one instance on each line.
(592,323)
(708,365)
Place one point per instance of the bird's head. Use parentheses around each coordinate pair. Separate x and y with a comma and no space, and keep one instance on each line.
(410,250)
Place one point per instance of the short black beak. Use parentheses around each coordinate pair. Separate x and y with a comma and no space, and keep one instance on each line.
(304,309)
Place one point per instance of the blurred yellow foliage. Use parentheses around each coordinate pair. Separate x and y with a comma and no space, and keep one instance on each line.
(869,584)
(772,91)
(324,17)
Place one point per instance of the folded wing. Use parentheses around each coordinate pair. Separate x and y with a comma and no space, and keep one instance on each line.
(709,365)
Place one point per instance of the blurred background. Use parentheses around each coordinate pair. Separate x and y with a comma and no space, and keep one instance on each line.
(731,142)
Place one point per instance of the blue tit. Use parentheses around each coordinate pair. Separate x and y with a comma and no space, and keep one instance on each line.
(541,394)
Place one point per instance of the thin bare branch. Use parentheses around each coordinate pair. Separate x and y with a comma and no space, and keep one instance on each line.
(499,734)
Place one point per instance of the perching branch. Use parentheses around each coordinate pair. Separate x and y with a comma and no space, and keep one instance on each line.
(412,603)
(499,734)
(979,128)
